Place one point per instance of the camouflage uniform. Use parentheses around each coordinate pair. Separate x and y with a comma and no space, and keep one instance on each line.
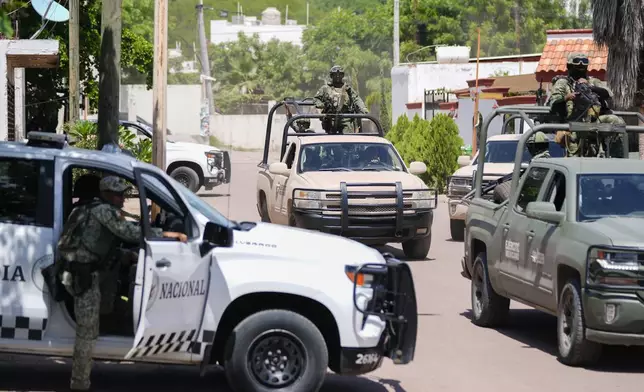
(329,97)
(538,145)
(89,235)
(564,86)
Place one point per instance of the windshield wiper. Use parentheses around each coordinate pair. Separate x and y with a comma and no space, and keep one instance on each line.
(336,169)
(381,168)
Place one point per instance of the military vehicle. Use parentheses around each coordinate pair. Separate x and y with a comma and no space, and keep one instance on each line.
(567,242)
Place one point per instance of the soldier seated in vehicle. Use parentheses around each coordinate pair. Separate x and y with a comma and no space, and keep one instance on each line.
(538,146)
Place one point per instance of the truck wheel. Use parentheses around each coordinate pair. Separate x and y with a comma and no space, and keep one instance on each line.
(417,248)
(574,349)
(457,229)
(502,192)
(187,177)
(276,350)
(263,207)
(489,309)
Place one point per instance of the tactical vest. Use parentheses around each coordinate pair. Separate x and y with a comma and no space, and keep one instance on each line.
(74,239)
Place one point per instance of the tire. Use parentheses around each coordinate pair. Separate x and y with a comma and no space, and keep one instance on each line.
(489,309)
(252,339)
(417,248)
(187,177)
(502,192)
(574,349)
(457,229)
(263,207)
(291,220)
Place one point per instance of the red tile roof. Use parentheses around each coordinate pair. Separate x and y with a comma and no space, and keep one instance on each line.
(555,55)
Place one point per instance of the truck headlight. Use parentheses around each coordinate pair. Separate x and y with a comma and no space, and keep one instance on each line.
(214,159)
(422,199)
(361,279)
(307,199)
(613,267)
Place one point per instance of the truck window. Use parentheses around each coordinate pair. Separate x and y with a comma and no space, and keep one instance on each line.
(27,190)
(604,195)
(557,192)
(290,156)
(530,190)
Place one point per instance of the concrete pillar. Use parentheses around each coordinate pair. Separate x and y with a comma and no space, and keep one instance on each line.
(21,111)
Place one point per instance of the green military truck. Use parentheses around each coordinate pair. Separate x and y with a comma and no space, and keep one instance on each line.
(568,241)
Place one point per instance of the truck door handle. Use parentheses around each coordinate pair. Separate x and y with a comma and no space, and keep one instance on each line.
(530,234)
(506,228)
(163,263)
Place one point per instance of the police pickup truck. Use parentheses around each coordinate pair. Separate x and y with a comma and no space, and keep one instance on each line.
(566,242)
(275,306)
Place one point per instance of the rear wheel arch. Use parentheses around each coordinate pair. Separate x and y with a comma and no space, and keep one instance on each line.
(249,304)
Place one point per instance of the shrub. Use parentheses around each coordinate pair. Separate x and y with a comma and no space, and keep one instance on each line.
(85,134)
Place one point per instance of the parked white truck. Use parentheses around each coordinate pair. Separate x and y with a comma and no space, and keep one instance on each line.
(353,185)
(499,161)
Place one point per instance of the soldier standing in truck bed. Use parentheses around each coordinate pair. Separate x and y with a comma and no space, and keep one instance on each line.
(338,97)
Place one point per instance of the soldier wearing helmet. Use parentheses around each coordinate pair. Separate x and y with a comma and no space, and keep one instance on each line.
(538,146)
(579,98)
(338,97)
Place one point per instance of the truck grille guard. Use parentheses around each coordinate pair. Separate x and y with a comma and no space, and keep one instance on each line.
(403,203)
(394,301)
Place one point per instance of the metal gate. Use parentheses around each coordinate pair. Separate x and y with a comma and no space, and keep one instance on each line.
(11,111)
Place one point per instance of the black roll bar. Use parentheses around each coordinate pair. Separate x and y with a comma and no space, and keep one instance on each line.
(523,111)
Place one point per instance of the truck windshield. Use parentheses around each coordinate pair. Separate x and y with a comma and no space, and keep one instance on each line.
(198,204)
(349,157)
(503,151)
(604,195)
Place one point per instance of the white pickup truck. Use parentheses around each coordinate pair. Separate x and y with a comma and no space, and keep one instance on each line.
(191,164)
(499,161)
(274,305)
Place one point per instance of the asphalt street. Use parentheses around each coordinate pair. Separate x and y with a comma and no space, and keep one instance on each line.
(452,354)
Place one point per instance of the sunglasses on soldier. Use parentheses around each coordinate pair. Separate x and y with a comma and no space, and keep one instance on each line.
(579,61)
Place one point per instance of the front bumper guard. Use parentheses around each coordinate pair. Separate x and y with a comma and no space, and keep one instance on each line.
(393,301)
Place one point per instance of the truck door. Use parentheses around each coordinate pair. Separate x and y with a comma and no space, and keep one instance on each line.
(543,246)
(172,279)
(514,264)
(280,210)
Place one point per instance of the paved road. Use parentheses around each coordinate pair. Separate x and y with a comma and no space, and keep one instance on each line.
(452,354)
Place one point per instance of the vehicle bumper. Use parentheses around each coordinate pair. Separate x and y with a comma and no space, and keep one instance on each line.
(457,210)
(377,229)
(218,173)
(627,327)
(393,300)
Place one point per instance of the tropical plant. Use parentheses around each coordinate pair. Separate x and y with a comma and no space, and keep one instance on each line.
(85,135)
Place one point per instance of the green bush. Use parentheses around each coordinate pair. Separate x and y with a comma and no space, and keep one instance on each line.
(436,143)
(85,133)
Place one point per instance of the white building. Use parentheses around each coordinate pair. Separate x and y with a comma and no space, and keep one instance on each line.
(187,66)
(267,28)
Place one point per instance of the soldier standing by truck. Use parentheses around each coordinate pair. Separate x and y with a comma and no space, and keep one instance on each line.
(579,98)
(336,98)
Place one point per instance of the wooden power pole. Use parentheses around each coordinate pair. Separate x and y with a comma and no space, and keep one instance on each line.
(74,62)
(109,73)
(160,83)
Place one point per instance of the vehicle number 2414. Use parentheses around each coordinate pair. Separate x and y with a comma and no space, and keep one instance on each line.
(367,359)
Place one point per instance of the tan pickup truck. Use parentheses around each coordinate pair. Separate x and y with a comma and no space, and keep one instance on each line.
(353,185)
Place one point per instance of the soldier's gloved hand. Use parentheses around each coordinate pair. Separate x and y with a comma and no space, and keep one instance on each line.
(570,96)
(179,236)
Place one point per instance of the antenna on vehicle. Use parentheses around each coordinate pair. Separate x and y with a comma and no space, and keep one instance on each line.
(49,10)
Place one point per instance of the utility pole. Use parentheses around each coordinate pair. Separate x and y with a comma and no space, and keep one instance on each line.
(396,32)
(205,62)
(160,84)
(109,71)
(74,62)
(517,31)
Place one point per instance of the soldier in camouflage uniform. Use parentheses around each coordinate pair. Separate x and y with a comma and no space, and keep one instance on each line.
(88,237)
(593,106)
(338,97)
(539,145)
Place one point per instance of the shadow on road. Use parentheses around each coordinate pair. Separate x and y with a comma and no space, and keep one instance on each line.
(52,374)
(213,195)
(538,330)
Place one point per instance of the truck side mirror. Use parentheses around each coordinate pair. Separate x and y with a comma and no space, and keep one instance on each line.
(279,168)
(544,211)
(417,168)
(464,160)
(218,235)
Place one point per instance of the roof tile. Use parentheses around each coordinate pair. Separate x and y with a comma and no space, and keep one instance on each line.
(555,54)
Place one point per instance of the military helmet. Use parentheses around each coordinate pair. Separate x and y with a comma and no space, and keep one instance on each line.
(538,137)
(578,59)
(336,69)
(304,123)
(113,184)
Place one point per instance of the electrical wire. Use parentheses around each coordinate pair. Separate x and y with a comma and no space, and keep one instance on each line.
(18,9)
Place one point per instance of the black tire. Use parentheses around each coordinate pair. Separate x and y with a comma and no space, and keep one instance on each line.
(457,229)
(255,337)
(417,248)
(574,348)
(187,177)
(291,220)
(263,207)
(489,309)
(502,192)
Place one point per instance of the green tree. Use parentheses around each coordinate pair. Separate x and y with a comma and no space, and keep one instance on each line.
(441,147)
(46,90)
(398,136)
